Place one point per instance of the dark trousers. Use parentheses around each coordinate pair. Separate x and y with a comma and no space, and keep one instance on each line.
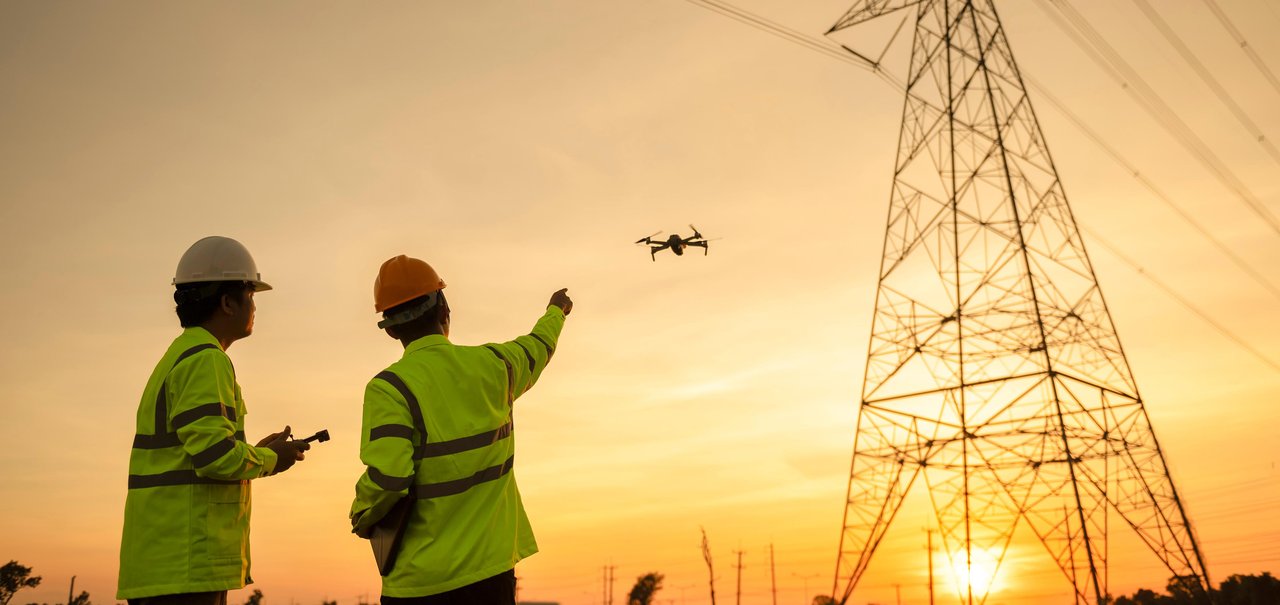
(192,598)
(498,590)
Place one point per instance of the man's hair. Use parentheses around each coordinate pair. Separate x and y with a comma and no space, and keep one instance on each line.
(421,324)
(197,301)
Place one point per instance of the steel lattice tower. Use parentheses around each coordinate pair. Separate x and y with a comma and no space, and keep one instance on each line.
(994,370)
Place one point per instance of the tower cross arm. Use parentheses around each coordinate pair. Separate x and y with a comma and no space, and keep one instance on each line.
(866,10)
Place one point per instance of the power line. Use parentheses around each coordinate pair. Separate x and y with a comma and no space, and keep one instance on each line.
(805,41)
(1146,182)
(819,45)
(1244,44)
(1183,301)
(1106,57)
(801,39)
(1212,82)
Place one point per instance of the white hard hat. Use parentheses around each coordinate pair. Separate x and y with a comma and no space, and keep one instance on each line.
(217,258)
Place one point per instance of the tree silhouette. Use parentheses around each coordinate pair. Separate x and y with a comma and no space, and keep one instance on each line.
(255,598)
(824,600)
(1184,590)
(81,599)
(1236,590)
(15,577)
(1249,590)
(1143,597)
(646,586)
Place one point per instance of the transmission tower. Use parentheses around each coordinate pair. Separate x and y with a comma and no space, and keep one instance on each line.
(994,370)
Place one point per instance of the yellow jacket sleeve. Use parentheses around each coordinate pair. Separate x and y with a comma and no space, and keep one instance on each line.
(528,355)
(386,448)
(203,413)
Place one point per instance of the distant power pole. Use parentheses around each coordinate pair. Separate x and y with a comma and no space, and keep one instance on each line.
(773,579)
(929,532)
(806,577)
(608,584)
(738,601)
(71,591)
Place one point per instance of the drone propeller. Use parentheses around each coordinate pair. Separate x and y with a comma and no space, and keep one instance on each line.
(695,230)
(647,238)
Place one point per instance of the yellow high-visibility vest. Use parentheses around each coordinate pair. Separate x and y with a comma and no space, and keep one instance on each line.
(186,518)
(437,428)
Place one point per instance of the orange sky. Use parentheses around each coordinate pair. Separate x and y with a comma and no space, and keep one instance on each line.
(520,148)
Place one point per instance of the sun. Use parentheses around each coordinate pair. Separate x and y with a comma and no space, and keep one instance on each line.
(978,575)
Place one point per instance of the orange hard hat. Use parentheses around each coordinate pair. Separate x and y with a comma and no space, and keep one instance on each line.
(402,279)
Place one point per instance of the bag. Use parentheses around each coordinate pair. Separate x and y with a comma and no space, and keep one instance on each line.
(387,534)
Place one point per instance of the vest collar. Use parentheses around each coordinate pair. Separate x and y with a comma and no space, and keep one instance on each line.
(429,340)
(200,335)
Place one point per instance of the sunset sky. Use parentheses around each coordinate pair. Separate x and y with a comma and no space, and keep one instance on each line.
(521,147)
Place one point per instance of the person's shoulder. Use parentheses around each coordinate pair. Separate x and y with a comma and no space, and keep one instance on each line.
(487,351)
(195,347)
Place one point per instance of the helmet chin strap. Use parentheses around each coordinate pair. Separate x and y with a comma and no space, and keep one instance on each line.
(411,313)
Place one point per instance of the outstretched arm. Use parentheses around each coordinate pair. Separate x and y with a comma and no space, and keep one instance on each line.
(527,356)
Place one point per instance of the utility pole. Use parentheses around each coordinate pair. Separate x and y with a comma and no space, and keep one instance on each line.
(71,591)
(738,601)
(606,585)
(773,578)
(805,577)
(682,589)
(897,589)
(929,532)
(611,583)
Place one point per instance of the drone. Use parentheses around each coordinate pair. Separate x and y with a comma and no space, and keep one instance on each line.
(675,243)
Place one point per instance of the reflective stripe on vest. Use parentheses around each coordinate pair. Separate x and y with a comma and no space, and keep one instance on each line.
(550,349)
(437,449)
(162,437)
(415,410)
(457,486)
(511,376)
(165,438)
(181,477)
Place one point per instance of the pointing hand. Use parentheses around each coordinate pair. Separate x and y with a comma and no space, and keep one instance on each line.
(561,299)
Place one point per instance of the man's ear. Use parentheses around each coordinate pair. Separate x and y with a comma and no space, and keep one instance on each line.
(225,303)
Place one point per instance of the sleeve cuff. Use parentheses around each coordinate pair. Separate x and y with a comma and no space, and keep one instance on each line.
(269,459)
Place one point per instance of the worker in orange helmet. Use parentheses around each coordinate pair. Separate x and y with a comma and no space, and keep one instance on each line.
(438,442)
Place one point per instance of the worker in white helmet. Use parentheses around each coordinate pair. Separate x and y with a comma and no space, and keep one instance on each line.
(186,519)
